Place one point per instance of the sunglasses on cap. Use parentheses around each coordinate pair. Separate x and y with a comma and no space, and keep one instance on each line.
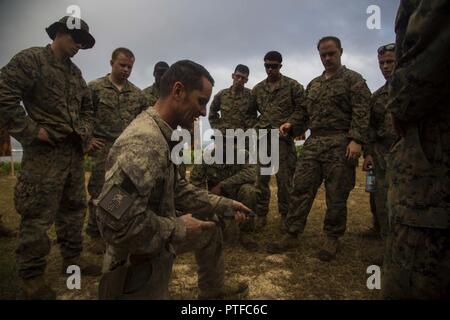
(388,47)
(271,65)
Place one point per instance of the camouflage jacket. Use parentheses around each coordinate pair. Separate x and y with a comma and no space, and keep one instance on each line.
(230,176)
(236,111)
(114,109)
(419,98)
(54,95)
(381,130)
(137,207)
(277,105)
(339,103)
(151,94)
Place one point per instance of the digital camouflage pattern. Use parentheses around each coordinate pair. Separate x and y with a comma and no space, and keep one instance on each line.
(381,137)
(275,106)
(54,94)
(50,186)
(136,212)
(237,181)
(113,112)
(336,110)
(417,262)
(340,103)
(151,94)
(236,110)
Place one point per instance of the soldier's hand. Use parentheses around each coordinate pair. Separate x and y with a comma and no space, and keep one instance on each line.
(285,128)
(43,136)
(240,211)
(216,190)
(194,227)
(353,150)
(368,162)
(97,143)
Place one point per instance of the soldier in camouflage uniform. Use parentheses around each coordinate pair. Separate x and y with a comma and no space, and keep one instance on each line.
(136,210)
(234,181)
(152,93)
(336,109)
(417,256)
(381,137)
(57,123)
(234,104)
(116,103)
(276,98)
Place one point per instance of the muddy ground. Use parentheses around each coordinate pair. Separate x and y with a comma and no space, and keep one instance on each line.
(297,274)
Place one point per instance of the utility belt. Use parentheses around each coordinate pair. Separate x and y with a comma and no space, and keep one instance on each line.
(327,132)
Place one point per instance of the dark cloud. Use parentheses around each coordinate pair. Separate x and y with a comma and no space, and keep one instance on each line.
(218,34)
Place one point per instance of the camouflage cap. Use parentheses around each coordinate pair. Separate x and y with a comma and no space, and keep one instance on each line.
(82,33)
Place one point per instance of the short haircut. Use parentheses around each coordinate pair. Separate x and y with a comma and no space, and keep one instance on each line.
(273,56)
(161,65)
(242,69)
(187,72)
(336,40)
(125,51)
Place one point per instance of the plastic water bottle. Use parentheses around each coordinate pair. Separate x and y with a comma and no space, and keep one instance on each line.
(370,180)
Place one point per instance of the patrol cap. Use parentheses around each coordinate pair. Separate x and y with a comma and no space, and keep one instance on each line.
(80,35)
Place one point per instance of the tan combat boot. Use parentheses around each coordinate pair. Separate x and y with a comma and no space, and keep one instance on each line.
(371,233)
(288,241)
(329,249)
(37,289)
(98,246)
(87,268)
(229,291)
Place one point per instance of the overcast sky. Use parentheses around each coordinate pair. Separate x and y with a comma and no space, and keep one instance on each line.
(216,34)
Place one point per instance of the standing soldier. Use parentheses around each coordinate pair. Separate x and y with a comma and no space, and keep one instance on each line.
(336,109)
(57,123)
(381,137)
(116,103)
(234,104)
(152,93)
(137,207)
(276,99)
(417,256)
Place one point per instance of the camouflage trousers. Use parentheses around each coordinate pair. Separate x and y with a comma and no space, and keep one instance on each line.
(322,160)
(380,213)
(149,279)
(287,160)
(95,185)
(416,263)
(49,189)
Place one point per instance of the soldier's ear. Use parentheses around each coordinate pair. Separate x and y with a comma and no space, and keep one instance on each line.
(178,90)
(111,62)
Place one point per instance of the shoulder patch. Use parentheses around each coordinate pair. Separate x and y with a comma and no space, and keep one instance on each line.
(116,201)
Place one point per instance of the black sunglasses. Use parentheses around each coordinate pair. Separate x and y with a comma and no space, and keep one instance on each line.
(271,65)
(388,47)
